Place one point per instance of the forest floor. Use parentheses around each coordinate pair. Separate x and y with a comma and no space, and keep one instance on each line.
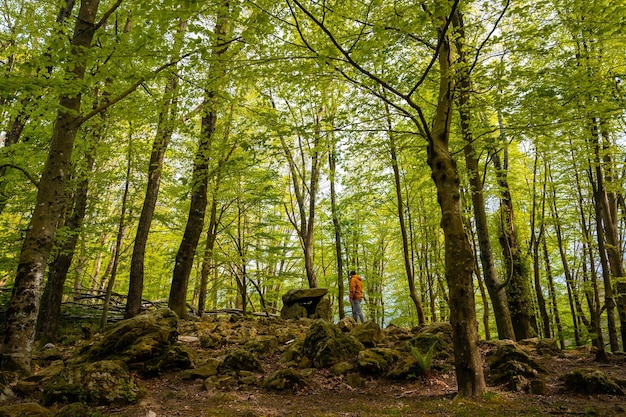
(330,395)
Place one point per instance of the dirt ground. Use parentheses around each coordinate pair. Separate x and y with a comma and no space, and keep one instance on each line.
(330,395)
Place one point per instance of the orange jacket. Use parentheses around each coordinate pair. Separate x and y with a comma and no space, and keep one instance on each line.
(356,287)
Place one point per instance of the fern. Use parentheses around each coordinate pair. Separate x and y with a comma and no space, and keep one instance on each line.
(424,361)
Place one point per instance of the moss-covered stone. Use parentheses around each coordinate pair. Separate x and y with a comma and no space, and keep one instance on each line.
(240,360)
(103,382)
(591,381)
(368,333)
(263,345)
(438,335)
(144,337)
(284,379)
(510,360)
(377,361)
(325,345)
(24,410)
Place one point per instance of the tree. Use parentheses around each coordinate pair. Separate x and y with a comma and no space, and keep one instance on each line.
(200,176)
(25,300)
(165,129)
(459,259)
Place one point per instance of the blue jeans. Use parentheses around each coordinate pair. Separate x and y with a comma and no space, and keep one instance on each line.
(357,314)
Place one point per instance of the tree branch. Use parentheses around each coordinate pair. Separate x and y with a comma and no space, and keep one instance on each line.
(23,171)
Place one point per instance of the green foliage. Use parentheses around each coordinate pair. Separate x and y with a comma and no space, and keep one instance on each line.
(424,360)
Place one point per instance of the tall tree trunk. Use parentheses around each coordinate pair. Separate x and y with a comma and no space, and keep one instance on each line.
(205,271)
(535,240)
(596,179)
(200,176)
(459,257)
(517,287)
(164,131)
(304,221)
(25,299)
(607,199)
(496,289)
(121,233)
(50,312)
(332,166)
(408,264)
(550,278)
(592,293)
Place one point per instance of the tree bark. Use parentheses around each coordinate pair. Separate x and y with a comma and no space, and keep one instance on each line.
(408,264)
(50,312)
(517,287)
(25,300)
(164,133)
(200,177)
(332,166)
(459,257)
(535,240)
(495,288)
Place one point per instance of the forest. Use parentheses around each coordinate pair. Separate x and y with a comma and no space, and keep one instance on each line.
(465,157)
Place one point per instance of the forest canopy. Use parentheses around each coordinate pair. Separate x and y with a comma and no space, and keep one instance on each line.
(464,157)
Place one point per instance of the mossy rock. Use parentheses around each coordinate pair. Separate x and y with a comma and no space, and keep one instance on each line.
(136,340)
(591,381)
(325,345)
(263,346)
(210,368)
(377,361)
(437,335)
(368,333)
(510,360)
(75,410)
(407,367)
(98,383)
(285,379)
(240,360)
(294,352)
(24,410)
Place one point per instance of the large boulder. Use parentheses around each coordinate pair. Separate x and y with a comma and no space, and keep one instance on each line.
(436,335)
(142,342)
(511,365)
(591,381)
(377,361)
(306,302)
(102,382)
(240,360)
(285,379)
(368,333)
(326,345)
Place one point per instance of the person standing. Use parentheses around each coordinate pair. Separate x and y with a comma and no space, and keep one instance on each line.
(356,296)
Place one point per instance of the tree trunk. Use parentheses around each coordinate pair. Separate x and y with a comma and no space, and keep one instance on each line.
(200,178)
(25,300)
(165,129)
(495,288)
(408,264)
(332,166)
(121,233)
(459,258)
(557,319)
(517,287)
(50,312)
(535,240)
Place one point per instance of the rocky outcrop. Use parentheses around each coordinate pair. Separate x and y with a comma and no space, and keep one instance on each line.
(591,381)
(325,345)
(512,366)
(307,302)
(101,382)
(142,342)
